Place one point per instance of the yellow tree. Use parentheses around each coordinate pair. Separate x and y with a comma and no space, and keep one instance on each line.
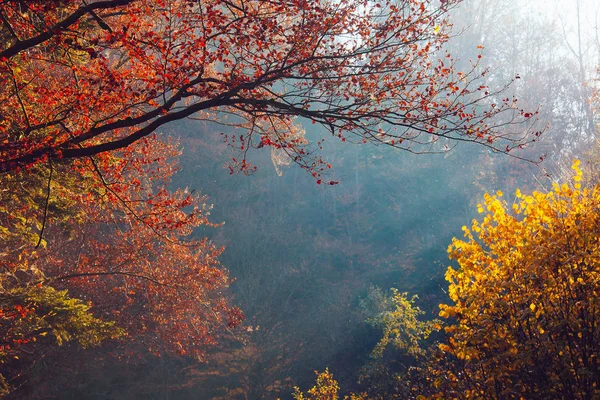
(526,305)
(326,388)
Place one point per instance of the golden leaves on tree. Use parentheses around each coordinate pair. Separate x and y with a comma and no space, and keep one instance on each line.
(525,298)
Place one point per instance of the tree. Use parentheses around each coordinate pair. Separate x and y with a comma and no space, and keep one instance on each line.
(120,245)
(524,317)
(392,371)
(326,388)
(120,69)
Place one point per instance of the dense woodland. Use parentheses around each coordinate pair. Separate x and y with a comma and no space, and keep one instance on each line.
(291,199)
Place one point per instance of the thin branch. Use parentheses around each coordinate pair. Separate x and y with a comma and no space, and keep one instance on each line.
(17,90)
(130,274)
(9,26)
(99,20)
(47,204)
(133,213)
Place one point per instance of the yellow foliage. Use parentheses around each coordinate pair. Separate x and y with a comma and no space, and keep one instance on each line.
(401,326)
(326,388)
(525,299)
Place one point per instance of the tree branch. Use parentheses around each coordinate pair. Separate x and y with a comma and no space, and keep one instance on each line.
(22,45)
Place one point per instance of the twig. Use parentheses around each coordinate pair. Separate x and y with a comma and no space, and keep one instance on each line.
(46,206)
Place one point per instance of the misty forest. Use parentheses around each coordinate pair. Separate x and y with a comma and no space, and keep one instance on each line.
(299,199)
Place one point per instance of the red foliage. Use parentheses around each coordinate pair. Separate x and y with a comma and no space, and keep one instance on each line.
(126,245)
(79,79)
(133,258)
